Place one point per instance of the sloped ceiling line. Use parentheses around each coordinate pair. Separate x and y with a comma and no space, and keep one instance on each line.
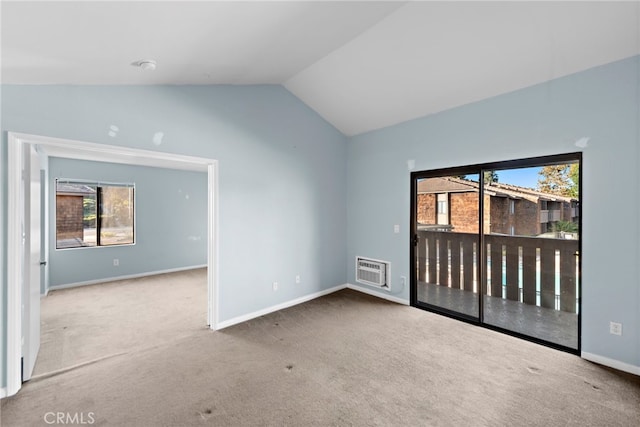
(359,65)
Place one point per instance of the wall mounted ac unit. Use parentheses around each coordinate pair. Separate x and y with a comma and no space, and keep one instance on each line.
(373,272)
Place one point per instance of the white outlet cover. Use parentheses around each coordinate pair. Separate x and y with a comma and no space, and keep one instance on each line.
(615,328)
(275,286)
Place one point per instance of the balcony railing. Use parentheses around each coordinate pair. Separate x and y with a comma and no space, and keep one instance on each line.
(531,270)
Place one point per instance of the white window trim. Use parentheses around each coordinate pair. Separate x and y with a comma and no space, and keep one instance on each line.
(97,184)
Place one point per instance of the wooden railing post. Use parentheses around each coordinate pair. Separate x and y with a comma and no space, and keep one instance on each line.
(443,253)
(431,256)
(547,273)
(467,262)
(513,258)
(454,246)
(529,255)
(496,267)
(422,257)
(568,282)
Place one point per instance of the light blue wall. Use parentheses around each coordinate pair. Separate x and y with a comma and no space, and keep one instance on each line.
(601,104)
(170,227)
(282,172)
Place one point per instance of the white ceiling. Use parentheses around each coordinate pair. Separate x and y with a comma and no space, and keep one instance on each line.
(360,65)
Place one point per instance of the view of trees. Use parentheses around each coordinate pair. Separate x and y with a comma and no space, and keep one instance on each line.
(562,180)
(490,176)
(574,175)
(89,211)
(565,226)
(117,207)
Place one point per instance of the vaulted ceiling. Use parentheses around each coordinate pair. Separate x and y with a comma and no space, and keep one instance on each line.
(360,65)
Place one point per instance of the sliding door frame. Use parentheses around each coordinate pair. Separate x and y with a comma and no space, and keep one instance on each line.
(414,238)
(482,267)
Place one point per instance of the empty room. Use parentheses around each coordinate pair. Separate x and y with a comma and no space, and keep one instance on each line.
(320,213)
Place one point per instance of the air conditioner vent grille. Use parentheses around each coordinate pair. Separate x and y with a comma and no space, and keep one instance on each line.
(373,272)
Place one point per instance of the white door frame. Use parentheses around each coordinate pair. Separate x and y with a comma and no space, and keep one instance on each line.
(96,152)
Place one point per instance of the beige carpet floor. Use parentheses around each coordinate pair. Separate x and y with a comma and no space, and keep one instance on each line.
(346,359)
(84,324)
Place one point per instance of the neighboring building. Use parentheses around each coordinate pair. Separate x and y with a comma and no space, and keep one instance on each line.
(70,210)
(449,203)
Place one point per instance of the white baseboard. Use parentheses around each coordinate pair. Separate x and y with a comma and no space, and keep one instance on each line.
(249,316)
(3,393)
(377,294)
(126,277)
(612,363)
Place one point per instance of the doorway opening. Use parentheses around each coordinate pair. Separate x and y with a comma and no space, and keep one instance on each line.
(21,330)
(498,244)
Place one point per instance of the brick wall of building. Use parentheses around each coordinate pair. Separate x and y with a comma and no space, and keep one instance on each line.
(463,211)
(463,214)
(69,213)
(500,221)
(463,208)
(426,208)
(527,218)
(486,223)
(524,220)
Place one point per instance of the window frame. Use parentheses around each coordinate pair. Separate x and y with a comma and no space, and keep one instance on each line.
(554,159)
(98,186)
(442,208)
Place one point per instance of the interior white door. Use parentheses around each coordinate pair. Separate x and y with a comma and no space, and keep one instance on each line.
(32,267)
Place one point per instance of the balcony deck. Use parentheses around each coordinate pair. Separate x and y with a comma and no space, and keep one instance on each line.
(555,326)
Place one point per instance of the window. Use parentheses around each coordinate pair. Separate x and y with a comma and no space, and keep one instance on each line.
(512,207)
(442,207)
(93,214)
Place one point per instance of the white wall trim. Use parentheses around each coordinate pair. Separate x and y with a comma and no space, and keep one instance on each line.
(14,265)
(71,149)
(612,363)
(282,306)
(3,393)
(125,277)
(300,300)
(377,294)
(213,308)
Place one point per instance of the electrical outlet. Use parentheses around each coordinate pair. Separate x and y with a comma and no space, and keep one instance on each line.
(615,328)
(298,279)
(116,262)
(275,286)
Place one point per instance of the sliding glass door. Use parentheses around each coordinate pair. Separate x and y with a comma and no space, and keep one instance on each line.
(499,244)
(447,243)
